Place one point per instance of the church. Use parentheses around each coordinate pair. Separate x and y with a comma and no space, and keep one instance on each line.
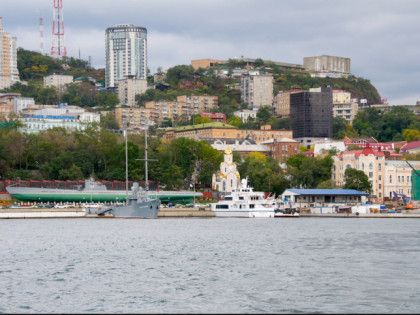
(227,178)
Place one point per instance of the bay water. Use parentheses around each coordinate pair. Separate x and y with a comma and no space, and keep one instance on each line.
(210,265)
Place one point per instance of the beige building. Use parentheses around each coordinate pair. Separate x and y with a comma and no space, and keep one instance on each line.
(327,63)
(386,171)
(154,112)
(9,73)
(197,104)
(225,131)
(133,116)
(129,88)
(282,102)
(57,80)
(257,90)
(343,106)
(204,63)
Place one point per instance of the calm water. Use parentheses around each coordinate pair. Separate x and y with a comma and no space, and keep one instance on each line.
(212,265)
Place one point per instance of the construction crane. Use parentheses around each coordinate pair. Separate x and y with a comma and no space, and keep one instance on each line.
(418,174)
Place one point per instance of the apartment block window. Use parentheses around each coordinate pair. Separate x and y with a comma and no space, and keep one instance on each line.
(390,179)
(399,179)
(370,174)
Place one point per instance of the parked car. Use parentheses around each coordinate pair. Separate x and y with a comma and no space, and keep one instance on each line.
(63,206)
(170,205)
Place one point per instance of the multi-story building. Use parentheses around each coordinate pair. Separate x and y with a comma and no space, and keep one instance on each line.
(69,117)
(125,53)
(311,115)
(282,148)
(245,114)
(386,171)
(343,106)
(154,112)
(327,63)
(9,73)
(133,116)
(57,80)
(21,103)
(282,102)
(128,89)
(257,90)
(225,131)
(197,104)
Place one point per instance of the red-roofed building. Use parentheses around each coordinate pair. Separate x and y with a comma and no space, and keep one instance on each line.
(386,171)
(411,147)
(215,116)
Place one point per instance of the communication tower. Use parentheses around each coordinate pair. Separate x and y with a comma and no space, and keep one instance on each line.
(58,47)
(41,36)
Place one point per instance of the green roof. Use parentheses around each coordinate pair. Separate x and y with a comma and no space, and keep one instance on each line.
(208,125)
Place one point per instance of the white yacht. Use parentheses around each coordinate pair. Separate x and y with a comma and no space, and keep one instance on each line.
(244,202)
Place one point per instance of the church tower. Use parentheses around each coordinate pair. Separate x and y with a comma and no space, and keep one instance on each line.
(227,178)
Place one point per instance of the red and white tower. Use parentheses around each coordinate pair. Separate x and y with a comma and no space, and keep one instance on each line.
(58,47)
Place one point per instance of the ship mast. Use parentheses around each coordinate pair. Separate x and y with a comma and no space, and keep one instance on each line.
(126,168)
(146,184)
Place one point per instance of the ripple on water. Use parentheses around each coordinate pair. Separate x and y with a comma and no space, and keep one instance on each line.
(209,266)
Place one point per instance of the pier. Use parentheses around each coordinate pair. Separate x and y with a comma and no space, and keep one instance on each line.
(35,213)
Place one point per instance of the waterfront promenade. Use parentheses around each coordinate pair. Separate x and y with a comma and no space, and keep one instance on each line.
(204,212)
(35,213)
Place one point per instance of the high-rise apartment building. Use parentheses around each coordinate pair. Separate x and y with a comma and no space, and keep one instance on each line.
(311,115)
(125,53)
(128,89)
(257,90)
(9,73)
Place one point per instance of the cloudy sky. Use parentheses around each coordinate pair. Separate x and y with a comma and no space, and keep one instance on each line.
(381,37)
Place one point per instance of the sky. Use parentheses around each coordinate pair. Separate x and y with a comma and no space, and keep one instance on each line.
(381,37)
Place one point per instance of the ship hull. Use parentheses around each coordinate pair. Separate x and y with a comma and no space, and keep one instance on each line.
(67,195)
(144,209)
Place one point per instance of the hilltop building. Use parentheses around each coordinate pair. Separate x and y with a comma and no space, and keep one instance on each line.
(126,53)
(9,73)
(327,63)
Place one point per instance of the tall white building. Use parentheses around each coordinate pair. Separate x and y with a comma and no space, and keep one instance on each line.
(9,73)
(126,53)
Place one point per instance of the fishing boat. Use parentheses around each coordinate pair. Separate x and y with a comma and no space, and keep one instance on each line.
(284,209)
(244,202)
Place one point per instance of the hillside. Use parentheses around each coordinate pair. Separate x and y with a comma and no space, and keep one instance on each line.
(183,79)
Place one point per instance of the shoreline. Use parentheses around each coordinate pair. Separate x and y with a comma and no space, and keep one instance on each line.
(42,213)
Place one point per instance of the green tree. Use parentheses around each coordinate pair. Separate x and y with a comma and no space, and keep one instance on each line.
(356,179)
